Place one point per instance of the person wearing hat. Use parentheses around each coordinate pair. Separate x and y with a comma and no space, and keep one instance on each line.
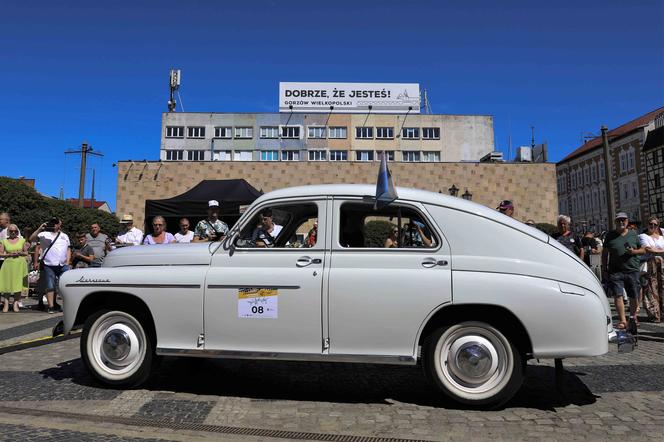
(129,235)
(620,267)
(211,228)
(506,207)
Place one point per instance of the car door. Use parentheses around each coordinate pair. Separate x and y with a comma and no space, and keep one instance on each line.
(379,297)
(268,300)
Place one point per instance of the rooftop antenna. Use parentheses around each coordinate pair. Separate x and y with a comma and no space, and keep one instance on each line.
(532,140)
(174,86)
(427,104)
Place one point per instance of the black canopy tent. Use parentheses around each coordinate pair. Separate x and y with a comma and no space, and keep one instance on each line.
(193,204)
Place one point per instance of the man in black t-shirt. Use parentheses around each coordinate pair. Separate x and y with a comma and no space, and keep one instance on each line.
(620,264)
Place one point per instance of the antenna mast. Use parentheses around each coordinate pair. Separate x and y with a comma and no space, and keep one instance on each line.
(174,85)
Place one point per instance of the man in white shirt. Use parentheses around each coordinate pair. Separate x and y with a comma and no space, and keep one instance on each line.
(56,256)
(184,235)
(130,235)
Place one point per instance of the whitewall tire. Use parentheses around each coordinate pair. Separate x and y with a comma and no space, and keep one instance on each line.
(473,363)
(116,348)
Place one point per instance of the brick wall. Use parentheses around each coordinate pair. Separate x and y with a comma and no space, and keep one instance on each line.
(532,187)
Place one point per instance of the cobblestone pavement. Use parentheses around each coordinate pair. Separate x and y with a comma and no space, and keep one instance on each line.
(46,393)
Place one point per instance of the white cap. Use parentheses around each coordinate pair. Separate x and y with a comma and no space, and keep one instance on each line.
(213,203)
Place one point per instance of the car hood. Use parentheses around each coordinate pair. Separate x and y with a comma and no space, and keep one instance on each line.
(161,255)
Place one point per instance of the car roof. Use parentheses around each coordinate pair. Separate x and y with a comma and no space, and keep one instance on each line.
(405,194)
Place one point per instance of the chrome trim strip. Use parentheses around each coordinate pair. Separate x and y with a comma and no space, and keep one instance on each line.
(307,357)
(139,286)
(252,286)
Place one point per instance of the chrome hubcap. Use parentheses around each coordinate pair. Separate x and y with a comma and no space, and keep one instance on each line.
(116,345)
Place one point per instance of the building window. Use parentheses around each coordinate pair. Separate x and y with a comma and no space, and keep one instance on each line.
(269,132)
(410,133)
(317,155)
(222,132)
(658,203)
(244,132)
(269,155)
(601,169)
(196,155)
(586,175)
(364,132)
(338,132)
(290,131)
(635,189)
(431,133)
(222,155)
(338,155)
(623,161)
(316,132)
(389,155)
(364,155)
(174,131)
(242,155)
(431,157)
(410,156)
(196,132)
(631,160)
(593,172)
(658,181)
(290,155)
(385,133)
(174,155)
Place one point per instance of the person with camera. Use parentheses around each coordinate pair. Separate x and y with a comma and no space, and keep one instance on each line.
(55,258)
(620,267)
(212,228)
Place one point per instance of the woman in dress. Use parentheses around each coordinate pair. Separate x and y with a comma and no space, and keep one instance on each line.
(653,288)
(14,271)
(159,234)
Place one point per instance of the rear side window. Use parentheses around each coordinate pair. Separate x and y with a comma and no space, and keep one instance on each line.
(393,226)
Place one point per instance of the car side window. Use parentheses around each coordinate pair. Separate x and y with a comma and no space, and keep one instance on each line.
(393,226)
(281,226)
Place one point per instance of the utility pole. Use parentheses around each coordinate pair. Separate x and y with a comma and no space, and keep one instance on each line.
(86,150)
(608,179)
(532,140)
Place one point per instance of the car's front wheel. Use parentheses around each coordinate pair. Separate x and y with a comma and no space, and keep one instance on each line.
(116,348)
(473,363)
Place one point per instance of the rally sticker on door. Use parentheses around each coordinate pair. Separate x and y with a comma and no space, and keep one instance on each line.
(257,302)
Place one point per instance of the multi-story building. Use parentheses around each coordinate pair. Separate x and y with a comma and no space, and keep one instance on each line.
(412,138)
(653,153)
(582,192)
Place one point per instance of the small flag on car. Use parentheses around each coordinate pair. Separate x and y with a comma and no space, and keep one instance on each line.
(385,191)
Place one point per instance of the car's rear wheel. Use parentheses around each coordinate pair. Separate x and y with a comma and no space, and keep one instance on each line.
(116,348)
(473,363)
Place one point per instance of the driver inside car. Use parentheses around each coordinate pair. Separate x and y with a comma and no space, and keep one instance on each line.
(266,233)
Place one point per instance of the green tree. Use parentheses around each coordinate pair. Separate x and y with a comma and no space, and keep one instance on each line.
(29,209)
(376,232)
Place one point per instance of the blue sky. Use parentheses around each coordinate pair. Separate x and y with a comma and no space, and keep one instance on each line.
(98,71)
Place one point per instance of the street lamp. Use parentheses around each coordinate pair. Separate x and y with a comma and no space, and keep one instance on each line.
(454,190)
(467,195)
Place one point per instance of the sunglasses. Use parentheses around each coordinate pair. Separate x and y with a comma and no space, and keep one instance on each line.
(159,224)
(653,224)
(12,231)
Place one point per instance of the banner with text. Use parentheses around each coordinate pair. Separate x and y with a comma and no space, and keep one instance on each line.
(349,97)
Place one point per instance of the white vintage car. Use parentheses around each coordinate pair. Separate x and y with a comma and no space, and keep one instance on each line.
(465,291)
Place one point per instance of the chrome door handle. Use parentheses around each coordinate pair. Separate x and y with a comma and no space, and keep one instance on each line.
(304,261)
(430,263)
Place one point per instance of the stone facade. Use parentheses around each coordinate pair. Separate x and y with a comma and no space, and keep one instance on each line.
(532,187)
